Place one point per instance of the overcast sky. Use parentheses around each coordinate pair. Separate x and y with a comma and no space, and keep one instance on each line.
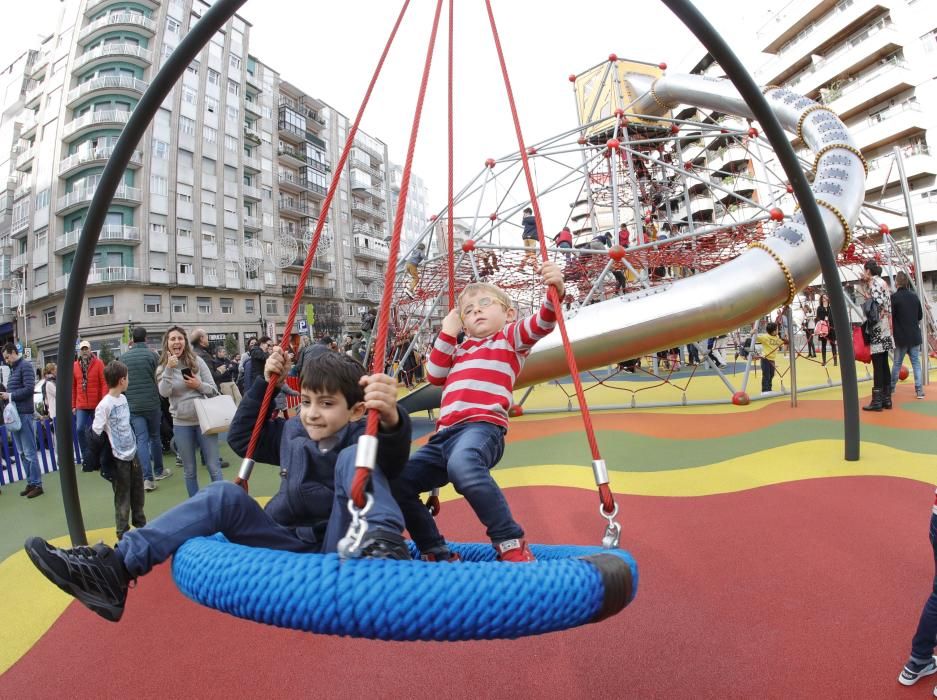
(329,49)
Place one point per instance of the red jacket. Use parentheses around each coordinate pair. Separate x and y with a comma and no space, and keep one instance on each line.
(563,236)
(97,387)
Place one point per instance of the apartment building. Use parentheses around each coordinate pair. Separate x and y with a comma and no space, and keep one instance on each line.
(212,221)
(874,63)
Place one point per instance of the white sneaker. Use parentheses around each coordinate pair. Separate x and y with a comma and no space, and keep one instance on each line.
(913,672)
(148,485)
(167,472)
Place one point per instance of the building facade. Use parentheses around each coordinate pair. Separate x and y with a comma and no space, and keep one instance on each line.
(212,221)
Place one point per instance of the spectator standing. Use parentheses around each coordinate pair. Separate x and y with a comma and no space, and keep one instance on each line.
(877,306)
(145,411)
(907,314)
(48,388)
(224,370)
(242,364)
(810,326)
(255,363)
(19,389)
(825,330)
(88,388)
(184,378)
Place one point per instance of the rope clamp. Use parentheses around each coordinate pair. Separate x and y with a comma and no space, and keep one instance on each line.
(366,453)
(349,546)
(247,466)
(612,530)
(600,470)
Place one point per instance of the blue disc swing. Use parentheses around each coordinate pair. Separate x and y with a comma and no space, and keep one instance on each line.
(478,598)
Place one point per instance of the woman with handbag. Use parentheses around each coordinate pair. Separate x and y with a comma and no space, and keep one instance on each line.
(185,379)
(877,329)
(824,329)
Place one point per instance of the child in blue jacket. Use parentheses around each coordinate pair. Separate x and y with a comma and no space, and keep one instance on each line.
(316,453)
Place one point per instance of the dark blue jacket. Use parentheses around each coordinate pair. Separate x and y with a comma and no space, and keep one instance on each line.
(20,386)
(530,228)
(907,314)
(307,489)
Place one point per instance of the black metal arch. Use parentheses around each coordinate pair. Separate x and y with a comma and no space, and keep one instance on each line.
(189,48)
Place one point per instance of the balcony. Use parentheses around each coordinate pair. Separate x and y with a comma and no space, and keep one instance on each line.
(293,208)
(253,81)
(111,84)
(894,124)
(19,261)
(293,183)
(729,158)
(368,276)
(110,118)
(252,223)
(363,294)
(886,80)
(161,277)
(20,225)
(33,95)
(829,28)
(82,196)
(251,192)
(132,21)
(40,64)
(361,207)
(121,234)
(373,152)
(320,292)
(789,21)
(209,277)
(917,161)
(126,51)
(25,159)
(22,191)
(105,275)
(871,45)
(252,135)
(28,125)
(290,155)
(99,5)
(254,108)
(186,278)
(371,252)
(94,156)
(291,132)
(320,266)
(256,284)
(251,163)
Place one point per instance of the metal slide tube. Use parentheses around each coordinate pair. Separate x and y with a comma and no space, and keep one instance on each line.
(189,48)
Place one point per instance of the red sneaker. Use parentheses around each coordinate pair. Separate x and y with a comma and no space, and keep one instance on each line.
(514,550)
(441,555)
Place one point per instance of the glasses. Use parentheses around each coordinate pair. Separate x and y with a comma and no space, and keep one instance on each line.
(482,303)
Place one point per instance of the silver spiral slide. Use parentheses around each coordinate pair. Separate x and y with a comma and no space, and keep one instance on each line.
(738,292)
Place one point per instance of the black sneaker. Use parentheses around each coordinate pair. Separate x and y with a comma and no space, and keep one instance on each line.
(94,575)
(913,672)
(441,554)
(383,544)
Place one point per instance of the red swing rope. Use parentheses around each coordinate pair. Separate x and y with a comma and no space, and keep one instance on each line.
(247,464)
(605,493)
(367,449)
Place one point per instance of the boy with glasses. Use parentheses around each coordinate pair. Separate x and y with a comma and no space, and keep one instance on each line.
(478,378)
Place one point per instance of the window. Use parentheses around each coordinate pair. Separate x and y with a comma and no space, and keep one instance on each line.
(41,275)
(286,307)
(152,303)
(211,105)
(180,305)
(159,185)
(184,193)
(183,232)
(101,306)
(271,306)
(172,25)
(208,234)
(185,268)
(48,316)
(189,95)
(160,149)
(203,304)
(209,134)
(158,261)
(233,88)
(231,143)
(42,199)
(213,77)
(235,62)
(227,306)
(186,126)
(249,306)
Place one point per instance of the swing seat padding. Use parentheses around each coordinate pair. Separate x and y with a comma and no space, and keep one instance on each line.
(477,598)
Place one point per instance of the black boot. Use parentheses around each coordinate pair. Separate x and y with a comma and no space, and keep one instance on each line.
(886,398)
(876,404)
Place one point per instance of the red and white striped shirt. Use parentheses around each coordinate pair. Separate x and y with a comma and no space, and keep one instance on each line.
(478,374)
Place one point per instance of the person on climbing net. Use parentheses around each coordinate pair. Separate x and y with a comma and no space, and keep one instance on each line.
(416,257)
(477,376)
(316,454)
(530,236)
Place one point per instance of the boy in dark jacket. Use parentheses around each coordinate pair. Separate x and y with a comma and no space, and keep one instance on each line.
(316,453)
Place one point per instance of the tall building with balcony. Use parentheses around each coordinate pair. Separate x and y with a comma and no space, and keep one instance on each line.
(872,62)
(416,217)
(211,221)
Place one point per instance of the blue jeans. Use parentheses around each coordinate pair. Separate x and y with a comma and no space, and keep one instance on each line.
(226,508)
(915,354)
(464,455)
(84,417)
(922,646)
(149,447)
(25,441)
(187,436)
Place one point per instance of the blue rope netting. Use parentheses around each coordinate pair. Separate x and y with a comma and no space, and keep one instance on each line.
(477,598)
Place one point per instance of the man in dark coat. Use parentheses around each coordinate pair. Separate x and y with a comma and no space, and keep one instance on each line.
(906,315)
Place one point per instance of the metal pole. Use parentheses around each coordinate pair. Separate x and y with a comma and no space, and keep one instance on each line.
(189,48)
(751,93)
(792,354)
(916,257)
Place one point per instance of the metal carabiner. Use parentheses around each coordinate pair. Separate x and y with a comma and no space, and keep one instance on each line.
(349,546)
(612,530)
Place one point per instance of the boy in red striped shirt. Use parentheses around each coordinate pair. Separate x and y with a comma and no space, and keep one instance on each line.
(478,378)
